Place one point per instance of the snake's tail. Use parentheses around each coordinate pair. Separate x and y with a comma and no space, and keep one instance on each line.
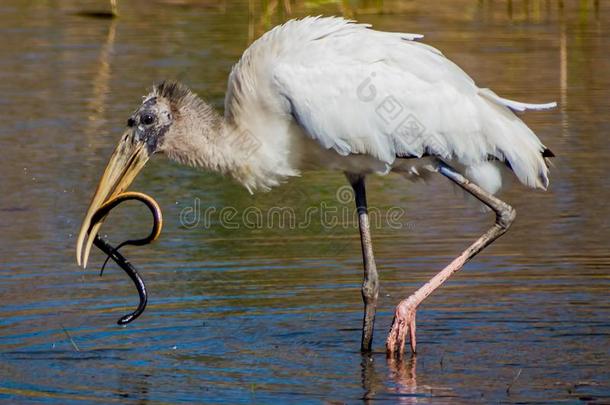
(104,266)
(115,250)
(133,275)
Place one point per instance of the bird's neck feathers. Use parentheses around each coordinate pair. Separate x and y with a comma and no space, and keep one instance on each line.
(201,137)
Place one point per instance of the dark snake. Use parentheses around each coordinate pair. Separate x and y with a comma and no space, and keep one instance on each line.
(113,252)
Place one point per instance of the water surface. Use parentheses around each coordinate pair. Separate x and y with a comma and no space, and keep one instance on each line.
(274,314)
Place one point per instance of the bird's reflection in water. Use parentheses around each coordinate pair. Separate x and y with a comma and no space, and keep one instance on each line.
(370,382)
(401,370)
(404,373)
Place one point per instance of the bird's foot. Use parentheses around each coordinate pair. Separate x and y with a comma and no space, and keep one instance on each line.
(403,323)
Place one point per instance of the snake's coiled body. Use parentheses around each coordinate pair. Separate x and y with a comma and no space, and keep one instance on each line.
(113,252)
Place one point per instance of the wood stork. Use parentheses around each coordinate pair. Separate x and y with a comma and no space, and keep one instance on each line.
(325,92)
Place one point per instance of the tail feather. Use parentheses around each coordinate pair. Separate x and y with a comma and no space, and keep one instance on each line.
(515,105)
(516,145)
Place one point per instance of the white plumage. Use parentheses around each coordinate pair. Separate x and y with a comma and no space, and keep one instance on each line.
(371,97)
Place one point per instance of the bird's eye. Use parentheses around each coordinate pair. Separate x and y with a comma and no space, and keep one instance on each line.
(147,119)
(131,122)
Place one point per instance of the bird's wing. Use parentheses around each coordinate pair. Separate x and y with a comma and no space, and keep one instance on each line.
(375,93)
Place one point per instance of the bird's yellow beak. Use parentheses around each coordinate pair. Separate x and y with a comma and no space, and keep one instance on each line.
(126,161)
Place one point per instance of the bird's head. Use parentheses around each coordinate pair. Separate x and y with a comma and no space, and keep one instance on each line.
(157,122)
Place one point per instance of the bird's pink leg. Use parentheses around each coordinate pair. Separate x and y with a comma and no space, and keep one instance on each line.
(370,285)
(404,316)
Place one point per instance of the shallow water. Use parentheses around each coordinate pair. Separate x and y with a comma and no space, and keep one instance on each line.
(272,313)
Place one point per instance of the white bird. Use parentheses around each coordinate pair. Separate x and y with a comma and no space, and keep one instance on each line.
(334,94)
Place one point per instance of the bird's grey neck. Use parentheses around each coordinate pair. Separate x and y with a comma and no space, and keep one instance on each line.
(204,139)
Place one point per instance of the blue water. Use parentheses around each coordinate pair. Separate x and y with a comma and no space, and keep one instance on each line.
(274,314)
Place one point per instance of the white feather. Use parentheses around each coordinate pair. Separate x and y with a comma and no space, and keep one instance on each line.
(515,105)
(485,174)
(368,98)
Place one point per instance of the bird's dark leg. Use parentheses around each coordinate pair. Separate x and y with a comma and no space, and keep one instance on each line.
(404,316)
(370,285)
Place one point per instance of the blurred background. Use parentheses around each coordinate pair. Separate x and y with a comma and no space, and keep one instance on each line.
(274,314)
